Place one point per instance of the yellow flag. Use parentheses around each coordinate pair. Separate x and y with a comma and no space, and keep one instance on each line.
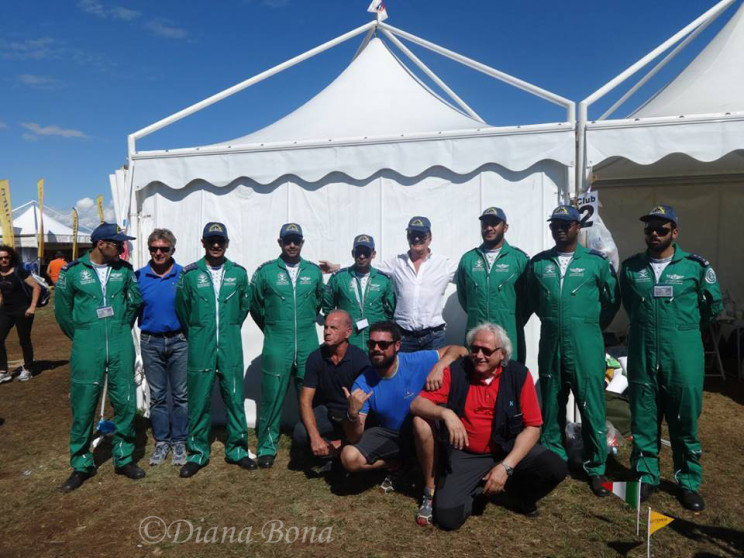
(99,203)
(74,233)
(6,213)
(657,521)
(40,191)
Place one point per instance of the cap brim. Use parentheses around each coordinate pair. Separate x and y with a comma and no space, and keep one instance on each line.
(647,218)
(120,237)
(492,216)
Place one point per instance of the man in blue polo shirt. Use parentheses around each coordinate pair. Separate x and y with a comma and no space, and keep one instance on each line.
(387,390)
(164,349)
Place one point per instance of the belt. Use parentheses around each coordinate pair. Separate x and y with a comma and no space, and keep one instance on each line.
(422,332)
(166,334)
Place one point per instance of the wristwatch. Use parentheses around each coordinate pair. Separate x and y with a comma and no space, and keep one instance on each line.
(509,470)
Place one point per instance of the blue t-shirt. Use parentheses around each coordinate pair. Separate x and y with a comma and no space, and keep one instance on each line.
(393,396)
(158,313)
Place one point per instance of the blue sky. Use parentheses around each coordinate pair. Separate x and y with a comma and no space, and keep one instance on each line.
(77,76)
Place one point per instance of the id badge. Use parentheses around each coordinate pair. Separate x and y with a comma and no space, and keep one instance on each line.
(361,324)
(663,291)
(105,312)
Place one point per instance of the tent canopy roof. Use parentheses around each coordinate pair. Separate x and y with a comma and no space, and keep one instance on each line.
(712,83)
(27,218)
(376,95)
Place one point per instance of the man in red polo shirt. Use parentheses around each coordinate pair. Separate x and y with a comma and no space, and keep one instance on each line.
(490,419)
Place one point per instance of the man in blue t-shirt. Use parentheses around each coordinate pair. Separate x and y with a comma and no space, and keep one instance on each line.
(386,390)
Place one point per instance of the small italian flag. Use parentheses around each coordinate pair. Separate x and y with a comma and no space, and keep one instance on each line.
(630,492)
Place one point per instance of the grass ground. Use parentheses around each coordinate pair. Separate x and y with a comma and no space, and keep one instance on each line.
(106,517)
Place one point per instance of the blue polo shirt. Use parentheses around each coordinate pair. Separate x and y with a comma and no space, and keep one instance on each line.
(392,397)
(158,313)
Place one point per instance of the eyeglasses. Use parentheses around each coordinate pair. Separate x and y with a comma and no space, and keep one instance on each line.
(661,231)
(417,238)
(361,253)
(118,245)
(163,249)
(4,257)
(561,225)
(475,349)
(296,240)
(384,345)
(212,240)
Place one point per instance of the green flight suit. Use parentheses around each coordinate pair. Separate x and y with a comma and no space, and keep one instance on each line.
(494,295)
(215,349)
(286,314)
(101,331)
(377,304)
(666,359)
(572,351)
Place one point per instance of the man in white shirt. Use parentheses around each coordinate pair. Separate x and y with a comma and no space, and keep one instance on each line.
(420,278)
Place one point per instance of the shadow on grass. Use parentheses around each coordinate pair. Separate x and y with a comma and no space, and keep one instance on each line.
(624,547)
(728,540)
(730,387)
(41,366)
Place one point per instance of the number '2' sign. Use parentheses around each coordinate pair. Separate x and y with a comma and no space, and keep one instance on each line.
(588,207)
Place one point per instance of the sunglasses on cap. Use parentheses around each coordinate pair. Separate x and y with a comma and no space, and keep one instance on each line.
(384,345)
(475,349)
(163,249)
(661,230)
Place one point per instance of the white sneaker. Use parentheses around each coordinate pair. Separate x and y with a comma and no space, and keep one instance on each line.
(24,376)
(5,377)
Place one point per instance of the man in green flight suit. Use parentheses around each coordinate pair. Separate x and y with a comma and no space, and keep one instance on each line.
(490,280)
(668,294)
(287,296)
(213,299)
(575,294)
(96,302)
(364,292)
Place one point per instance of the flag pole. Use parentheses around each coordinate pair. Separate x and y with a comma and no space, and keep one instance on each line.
(648,535)
(638,510)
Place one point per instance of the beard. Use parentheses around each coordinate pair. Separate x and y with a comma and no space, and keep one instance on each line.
(381,362)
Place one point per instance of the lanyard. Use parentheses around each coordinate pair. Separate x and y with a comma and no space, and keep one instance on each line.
(103,283)
(358,290)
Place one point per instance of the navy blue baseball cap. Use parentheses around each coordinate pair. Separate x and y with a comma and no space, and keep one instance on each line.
(290,229)
(109,231)
(565,213)
(665,212)
(214,229)
(419,224)
(496,212)
(364,240)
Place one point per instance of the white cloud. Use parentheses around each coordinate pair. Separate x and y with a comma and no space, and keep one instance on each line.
(28,136)
(37,81)
(162,29)
(46,48)
(88,212)
(96,8)
(51,130)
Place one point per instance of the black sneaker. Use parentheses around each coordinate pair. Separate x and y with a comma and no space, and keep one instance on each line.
(692,500)
(266,461)
(596,482)
(189,470)
(245,463)
(646,491)
(131,471)
(75,480)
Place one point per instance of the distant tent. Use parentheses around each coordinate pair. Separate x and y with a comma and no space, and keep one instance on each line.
(685,147)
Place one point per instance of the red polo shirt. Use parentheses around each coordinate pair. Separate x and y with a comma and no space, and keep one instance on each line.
(480,403)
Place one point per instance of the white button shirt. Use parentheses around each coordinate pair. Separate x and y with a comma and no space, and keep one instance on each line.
(420,296)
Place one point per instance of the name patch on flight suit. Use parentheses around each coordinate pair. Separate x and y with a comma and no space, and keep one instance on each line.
(663,291)
(104,312)
(576,272)
(643,276)
(86,277)
(281,278)
(373,287)
(478,266)
(116,277)
(230,279)
(549,270)
(501,268)
(304,280)
(675,279)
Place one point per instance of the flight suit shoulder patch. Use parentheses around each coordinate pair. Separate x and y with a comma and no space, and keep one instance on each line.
(71,265)
(699,259)
(190,267)
(239,266)
(340,270)
(313,264)
(267,262)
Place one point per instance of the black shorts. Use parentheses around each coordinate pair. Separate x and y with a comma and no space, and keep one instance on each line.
(383,443)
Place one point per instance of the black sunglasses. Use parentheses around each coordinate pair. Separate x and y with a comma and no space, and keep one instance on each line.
(119,245)
(212,240)
(362,253)
(384,345)
(163,249)
(661,231)
(475,349)
(561,225)
(296,240)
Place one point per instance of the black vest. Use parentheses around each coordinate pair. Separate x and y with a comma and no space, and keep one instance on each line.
(507,416)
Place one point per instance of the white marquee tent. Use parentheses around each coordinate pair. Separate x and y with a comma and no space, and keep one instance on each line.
(372,149)
(683,147)
(26,225)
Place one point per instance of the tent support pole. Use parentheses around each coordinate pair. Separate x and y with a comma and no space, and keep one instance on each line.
(247,83)
(367,39)
(580,183)
(424,68)
(570,106)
